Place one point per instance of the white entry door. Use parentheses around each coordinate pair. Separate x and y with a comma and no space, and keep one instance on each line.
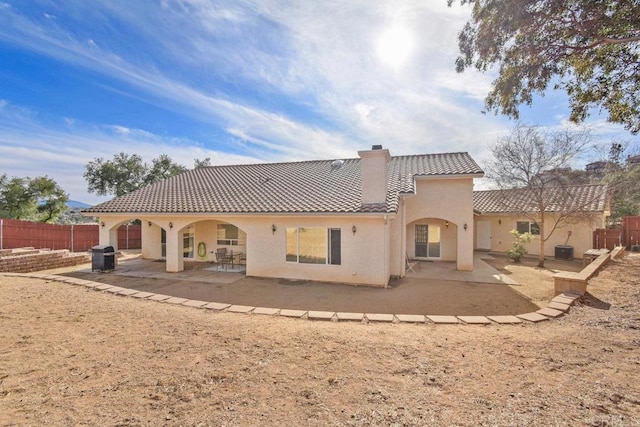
(484,235)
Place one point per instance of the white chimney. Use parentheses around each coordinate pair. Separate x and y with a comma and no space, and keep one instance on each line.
(374,165)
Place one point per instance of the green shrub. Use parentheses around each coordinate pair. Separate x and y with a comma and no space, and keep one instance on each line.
(518,249)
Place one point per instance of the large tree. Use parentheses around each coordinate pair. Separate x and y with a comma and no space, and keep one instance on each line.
(531,165)
(624,182)
(590,49)
(126,173)
(38,199)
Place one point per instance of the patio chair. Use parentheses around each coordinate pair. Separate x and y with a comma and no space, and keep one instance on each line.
(411,265)
(222,258)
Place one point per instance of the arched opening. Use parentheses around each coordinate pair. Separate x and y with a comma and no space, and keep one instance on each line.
(201,241)
(432,239)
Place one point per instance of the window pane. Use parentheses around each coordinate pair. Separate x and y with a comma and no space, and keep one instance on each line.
(535,229)
(312,245)
(187,245)
(434,241)
(227,231)
(335,253)
(292,244)
(522,226)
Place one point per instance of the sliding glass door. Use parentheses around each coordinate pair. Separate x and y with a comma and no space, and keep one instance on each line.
(427,241)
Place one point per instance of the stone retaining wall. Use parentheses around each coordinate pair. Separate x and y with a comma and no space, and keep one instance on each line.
(26,260)
(577,282)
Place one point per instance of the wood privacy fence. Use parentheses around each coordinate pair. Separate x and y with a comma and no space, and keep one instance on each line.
(628,235)
(75,237)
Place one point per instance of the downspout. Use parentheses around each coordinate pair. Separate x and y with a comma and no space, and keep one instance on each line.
(1,233)
(72,238)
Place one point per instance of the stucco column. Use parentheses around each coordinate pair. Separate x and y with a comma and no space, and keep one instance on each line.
(175,259)
(465,246)
(108,234)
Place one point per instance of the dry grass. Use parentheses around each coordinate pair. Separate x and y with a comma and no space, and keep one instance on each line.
(72,356)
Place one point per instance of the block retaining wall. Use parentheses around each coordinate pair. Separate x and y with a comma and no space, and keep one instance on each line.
(26,261)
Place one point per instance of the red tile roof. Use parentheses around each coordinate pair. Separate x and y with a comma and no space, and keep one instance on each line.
(585,198)
(295,187)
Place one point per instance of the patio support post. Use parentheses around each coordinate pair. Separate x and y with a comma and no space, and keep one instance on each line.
(465,246)
(108,234)
(175,259)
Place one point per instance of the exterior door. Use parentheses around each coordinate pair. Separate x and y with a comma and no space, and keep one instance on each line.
(427,241)
(484,235)
(422,240)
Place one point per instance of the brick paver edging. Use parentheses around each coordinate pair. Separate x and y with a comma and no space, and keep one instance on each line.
(556,308)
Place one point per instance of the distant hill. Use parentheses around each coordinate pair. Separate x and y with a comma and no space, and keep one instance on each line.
(74,204)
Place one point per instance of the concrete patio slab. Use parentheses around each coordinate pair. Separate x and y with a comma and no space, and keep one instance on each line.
(355,317)
(410,318)
(93,284)
(143,295)
(505,320)
(217,306)
(475,320)
(292,313)
(240,308)
(266,311)
(159,297)
(443,319)
(195,303)
(532,317)
(559,306)
(175,300)
(550,312)
(127,292)
(571,295)
(563,300)
(379,317)
(320,315)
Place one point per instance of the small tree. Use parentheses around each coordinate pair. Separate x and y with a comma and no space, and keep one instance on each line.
(526,161)
(518,248)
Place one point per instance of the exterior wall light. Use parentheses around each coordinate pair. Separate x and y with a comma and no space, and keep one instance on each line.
(273,229)
(499,221)
(354,229)
(102,224)
(465,226)
(149,222)
(171,225)
(446,224)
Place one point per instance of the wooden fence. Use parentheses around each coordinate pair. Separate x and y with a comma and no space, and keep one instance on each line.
(631,228)
(75,237)
(628,235)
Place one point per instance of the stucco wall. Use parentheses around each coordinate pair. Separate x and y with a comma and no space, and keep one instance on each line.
(578,235)
(365,254)
(440,200)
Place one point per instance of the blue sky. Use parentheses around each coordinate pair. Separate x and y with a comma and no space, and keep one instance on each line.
(241,82)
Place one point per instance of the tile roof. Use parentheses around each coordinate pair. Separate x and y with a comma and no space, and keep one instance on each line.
(586,198)
(295,187)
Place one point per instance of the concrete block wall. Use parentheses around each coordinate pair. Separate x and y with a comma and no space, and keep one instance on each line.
(28,260)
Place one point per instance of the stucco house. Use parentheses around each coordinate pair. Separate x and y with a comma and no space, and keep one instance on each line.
(349,221)
(585,208)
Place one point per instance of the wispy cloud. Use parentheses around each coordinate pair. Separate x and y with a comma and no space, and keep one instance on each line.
(272,80)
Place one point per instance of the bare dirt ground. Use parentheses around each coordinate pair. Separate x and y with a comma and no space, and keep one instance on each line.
(535,283)
(72,356)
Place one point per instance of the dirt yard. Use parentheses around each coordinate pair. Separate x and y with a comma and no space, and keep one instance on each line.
(72,356)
